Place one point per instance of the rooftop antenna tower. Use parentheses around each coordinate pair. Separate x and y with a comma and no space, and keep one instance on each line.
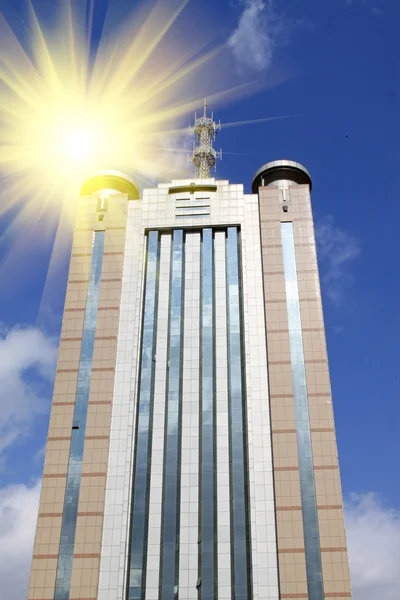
(204,156)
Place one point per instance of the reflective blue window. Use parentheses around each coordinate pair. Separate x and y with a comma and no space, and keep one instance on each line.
(307,482)
(70,510)
(172,445)
(141,478)
(207,486)
(241,581)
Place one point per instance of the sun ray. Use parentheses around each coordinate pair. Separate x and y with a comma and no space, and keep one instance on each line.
(179,72)
(170,113)
(65,115)
(142,46)
(254,121)
(68,112)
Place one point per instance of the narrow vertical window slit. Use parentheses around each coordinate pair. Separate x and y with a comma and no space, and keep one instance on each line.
(207,448)
(141,479)
(240,545)
(169,567)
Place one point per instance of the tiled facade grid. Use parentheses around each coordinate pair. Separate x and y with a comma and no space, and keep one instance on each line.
(331,522)
(85,567)
(326,473)
(262,503)
(157,210)
(157,457)
(221,355)
(114,557)
(276,526)
(189,504)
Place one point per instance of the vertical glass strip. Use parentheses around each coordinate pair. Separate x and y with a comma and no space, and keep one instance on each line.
(169,570)
(70,510)
(158,422)
(189,492)
(207,490)
(223,498)
(240,557)
(307,482)
(141,479)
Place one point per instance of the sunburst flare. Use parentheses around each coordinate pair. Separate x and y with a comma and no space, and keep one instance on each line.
(65,115)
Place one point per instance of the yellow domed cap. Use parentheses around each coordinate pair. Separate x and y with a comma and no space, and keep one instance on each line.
(112,181)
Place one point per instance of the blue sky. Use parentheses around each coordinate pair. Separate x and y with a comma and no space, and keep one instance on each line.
(338,61)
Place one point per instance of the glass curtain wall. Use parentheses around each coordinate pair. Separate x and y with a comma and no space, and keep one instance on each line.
(207,488)
(141,479)
(241,580)
(172,441)
(207,584)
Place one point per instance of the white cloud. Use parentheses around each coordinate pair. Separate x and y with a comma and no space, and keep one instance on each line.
(261,29)
(27,361)
(373,537)
(252,42)
(336,250)
(18,514)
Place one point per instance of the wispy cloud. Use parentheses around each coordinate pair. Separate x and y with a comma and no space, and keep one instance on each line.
(27,362)
(337,249)
(38,457)
(261,29)
(373,536)
(375,10)
(18,515)
(253,41)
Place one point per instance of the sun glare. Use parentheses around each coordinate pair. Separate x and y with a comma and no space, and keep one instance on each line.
(77,143)
(70,145)
(66,113)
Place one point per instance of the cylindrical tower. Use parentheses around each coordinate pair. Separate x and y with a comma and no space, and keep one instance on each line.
(74,480)
(309,512)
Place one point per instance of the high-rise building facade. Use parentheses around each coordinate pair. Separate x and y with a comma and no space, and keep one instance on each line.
(191,451)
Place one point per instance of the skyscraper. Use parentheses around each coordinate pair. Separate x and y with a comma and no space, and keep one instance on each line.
(191,450)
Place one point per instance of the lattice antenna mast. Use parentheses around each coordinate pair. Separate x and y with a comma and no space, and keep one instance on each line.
(204,156)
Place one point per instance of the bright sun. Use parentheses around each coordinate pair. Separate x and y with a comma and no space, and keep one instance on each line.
(65,115)
(77,143)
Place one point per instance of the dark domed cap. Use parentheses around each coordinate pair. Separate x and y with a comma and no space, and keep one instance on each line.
(277,170)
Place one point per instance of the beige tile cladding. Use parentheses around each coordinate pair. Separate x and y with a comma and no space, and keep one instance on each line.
(292,570)
(85,571)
